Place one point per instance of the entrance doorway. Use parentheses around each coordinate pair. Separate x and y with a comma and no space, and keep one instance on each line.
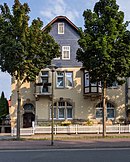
(28,118)
(128,116)
(29,115)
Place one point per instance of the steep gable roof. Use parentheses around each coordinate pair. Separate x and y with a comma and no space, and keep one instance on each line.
(61,18)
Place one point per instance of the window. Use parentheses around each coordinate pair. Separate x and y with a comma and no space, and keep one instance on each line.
(66,52)
(114,85)
(60,79)
(28,107)
(86,79)
(57,58)
(69,111)
(100,83)
(128,82)
(64,79)
(91,87)
(69,78)
(62,110)
(60,28)
(110,110)
(94,84)
(44,78)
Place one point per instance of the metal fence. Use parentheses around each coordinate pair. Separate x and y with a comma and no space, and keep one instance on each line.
(72,129)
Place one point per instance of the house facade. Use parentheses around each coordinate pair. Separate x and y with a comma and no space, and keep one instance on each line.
(75,98)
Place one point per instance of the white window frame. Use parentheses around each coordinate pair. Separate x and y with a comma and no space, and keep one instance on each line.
(129,82)
(64,49)
(65,107)
(64,79)
(57,58)
(94,84)
(69,107)
(60,107)
(67,77)
(111,107)
(60,76)
(87,82)
(100,83)
(54,112)
(60,28)
(99,108)
(114,85)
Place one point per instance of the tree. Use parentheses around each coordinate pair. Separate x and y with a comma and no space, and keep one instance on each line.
(4,107)
(24,49)
(105,46)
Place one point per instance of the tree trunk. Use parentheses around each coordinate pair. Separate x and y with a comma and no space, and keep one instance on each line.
(104,109)
(18,109)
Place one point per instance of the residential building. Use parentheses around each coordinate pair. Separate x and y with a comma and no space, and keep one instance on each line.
(127,99)
(75,98)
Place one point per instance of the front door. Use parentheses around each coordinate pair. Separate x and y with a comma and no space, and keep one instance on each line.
(27,120)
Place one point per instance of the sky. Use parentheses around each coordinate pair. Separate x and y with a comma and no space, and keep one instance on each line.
(46,10)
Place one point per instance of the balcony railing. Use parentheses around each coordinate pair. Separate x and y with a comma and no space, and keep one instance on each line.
(43,89)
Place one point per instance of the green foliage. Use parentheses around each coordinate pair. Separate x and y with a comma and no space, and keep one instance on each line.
(4,108)
(105,43)
(88,122)
(25,49)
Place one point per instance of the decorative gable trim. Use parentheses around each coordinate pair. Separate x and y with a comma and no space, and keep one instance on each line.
(63,18)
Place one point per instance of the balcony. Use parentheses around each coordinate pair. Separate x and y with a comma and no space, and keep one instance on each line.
(93,91)
(43,89)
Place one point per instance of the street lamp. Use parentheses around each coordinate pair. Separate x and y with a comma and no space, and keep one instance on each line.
(52,68)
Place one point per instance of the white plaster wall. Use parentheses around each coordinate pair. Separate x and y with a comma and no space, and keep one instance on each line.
(84,108)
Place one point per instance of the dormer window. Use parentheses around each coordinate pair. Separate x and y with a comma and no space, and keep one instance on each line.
(60,28)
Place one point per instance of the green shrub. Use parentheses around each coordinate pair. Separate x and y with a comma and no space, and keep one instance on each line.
(66,123)
(88,122)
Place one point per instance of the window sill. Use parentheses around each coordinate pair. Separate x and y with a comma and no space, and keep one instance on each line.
(66,59)
(63,87)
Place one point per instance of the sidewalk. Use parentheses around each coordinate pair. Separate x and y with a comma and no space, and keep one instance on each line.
(62,142)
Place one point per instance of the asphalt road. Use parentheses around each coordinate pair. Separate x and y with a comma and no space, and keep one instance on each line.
(65,155)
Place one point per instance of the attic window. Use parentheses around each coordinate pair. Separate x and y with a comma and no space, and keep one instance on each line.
(60,28)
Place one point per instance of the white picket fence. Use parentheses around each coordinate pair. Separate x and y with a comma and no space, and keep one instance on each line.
(72,129)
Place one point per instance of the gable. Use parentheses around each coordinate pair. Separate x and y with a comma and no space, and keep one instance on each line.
(69,31)
(67,39)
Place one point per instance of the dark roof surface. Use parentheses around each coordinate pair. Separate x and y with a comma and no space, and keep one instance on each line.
(61,18)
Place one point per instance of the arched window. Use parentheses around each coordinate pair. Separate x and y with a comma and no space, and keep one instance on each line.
(28,107)
(62,110)
(110,110)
